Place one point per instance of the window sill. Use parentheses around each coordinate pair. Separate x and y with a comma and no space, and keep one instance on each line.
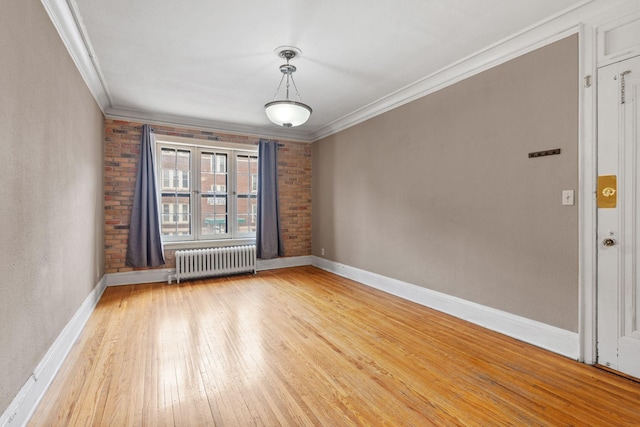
(201,244)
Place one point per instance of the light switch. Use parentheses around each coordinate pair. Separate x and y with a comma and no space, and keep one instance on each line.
(567,197)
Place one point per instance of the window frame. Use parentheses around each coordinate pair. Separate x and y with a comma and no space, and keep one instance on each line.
(197,147)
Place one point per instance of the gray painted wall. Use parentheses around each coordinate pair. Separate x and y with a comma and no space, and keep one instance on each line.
(440,192)
(51,214)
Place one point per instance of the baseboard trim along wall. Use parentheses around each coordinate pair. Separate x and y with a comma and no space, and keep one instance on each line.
(272,264)
(24,404)
(530,331)
(139,276)
(163,274)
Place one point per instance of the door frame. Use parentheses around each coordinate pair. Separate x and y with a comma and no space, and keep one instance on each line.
(587,177)
(591,37)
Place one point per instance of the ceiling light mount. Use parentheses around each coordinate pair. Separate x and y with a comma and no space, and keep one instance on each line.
(287,52)
(285,112)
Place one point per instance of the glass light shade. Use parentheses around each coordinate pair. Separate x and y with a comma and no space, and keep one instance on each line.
(287,113)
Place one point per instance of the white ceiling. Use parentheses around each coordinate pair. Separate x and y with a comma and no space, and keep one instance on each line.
(213,62)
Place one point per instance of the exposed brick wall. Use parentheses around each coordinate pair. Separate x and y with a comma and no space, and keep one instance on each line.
(122,152)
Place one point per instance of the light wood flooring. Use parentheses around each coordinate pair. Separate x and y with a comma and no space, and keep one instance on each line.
(302,347)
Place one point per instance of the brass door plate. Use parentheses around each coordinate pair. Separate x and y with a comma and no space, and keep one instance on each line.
(607,191)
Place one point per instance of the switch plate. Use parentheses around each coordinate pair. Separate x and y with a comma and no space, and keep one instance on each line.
(567,197)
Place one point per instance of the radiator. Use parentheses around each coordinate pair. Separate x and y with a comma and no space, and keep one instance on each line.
(215,262)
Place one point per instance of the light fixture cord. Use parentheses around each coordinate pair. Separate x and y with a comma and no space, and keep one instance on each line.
(275,95)
(289,74)
(295,87)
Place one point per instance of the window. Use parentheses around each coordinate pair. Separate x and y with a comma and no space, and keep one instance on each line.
(220,202)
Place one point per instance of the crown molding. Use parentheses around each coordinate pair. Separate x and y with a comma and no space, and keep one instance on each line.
(268,131)
(62,14)
(552,29)
(65,19)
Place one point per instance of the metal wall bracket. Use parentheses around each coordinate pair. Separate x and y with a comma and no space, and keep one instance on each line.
(544,153)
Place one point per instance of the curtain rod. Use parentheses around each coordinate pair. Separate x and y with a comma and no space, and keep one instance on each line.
(279,144)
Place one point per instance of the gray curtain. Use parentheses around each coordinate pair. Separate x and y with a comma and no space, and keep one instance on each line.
(145,241)
(268,236)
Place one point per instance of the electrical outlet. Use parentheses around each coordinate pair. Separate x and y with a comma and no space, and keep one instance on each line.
(322,251)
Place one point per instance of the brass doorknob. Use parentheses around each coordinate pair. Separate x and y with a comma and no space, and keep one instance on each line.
(608,242)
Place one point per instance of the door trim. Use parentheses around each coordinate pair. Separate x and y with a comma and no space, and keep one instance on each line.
(587,176)
(588,173)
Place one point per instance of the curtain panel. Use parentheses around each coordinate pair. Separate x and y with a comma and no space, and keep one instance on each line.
(268,234)
(145,247)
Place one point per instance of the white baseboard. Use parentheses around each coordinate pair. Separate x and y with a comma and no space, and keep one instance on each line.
(24,404)
(286,262)
(530,331)
(139,276)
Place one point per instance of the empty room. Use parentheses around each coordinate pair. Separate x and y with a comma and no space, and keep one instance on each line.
(298,213)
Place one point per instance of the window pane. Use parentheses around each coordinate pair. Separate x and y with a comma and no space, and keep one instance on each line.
(247,212)
(209,225)
(221,163)
(254,214)
(184,210)
(243,174)
(214,215)
(214,225)
(243,184)
(213,173)
(176,215)
(254,184)
(184,181)
(206,162)
(221,183)
(222,222)
(167,225)
(243,223)
(168,165)
(184,220)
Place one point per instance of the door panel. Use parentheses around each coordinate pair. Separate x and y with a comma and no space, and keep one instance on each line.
(618,281)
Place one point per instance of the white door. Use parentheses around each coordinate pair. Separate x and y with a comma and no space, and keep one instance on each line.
(619,216)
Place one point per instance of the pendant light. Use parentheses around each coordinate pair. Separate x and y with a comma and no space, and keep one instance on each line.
(285,112)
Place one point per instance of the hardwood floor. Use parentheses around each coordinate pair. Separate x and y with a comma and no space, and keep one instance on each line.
(304,347)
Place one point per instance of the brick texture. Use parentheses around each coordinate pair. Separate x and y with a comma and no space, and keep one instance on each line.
(122,153)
